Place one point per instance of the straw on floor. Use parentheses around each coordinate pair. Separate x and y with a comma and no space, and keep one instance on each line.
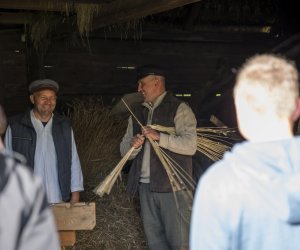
(98,135)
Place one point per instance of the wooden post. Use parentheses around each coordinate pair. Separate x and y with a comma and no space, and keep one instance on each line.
(67,238)
(71,217)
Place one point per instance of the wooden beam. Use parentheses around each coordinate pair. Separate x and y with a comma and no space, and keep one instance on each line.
(43,5)
(194,11)
(124,10)
(109,13)
(15,18)
(32,5)
(154,6)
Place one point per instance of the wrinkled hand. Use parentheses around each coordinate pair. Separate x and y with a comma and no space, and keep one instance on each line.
(137,141)
(151,133)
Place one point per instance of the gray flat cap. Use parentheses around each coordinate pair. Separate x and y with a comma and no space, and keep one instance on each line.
(150,69)
(43,84)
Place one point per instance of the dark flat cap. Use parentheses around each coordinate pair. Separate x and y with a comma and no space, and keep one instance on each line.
(150,69)
(43,84)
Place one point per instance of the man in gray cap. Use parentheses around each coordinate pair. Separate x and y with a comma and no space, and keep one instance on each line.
(165,218)
(46,140)
(26,219)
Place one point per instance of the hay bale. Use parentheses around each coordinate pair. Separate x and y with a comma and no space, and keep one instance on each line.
(98,135)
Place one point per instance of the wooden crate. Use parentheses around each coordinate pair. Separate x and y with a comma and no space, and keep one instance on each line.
(71,217)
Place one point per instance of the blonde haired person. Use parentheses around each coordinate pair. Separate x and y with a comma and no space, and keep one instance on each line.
(250,199)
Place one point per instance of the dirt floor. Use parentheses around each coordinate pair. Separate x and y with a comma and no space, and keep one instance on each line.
(118,223)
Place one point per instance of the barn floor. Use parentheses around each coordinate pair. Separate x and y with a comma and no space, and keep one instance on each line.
(118,223)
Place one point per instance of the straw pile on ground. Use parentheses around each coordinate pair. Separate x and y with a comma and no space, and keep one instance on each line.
(98,136)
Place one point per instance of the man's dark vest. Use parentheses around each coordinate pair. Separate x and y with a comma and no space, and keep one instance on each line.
(163,115)
(24,142)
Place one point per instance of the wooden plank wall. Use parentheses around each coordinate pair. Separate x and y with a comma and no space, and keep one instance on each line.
(191,64)
(100,68)
(13,85)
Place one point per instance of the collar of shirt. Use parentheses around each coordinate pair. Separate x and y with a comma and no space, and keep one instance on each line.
(36,119)
(156,102)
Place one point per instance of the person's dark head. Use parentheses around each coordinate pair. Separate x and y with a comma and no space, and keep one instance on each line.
(43,95)
(266,93)
(3,121)
(151,81)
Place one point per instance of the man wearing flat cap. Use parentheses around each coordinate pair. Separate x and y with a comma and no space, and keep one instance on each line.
(165,218)
(26,219)
(46,140)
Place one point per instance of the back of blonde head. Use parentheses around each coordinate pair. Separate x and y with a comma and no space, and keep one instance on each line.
(268,83)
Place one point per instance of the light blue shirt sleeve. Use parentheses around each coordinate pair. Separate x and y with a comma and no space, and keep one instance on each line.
(76,172)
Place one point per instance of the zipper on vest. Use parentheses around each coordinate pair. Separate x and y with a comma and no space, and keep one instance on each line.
(21,138)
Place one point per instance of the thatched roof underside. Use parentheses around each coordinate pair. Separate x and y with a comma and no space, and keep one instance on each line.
(46,20)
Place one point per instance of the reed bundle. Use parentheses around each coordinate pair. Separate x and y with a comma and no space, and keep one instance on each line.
(42,25)
(179,179)
(85,16)
(80,14)
(106,185)
(213,142)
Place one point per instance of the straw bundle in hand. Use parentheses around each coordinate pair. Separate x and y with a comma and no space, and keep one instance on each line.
(175,173)
(106,185)
(211,141)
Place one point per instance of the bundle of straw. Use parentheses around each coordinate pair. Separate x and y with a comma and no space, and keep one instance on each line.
(175,173)
(106,185)
(179,180)
(213,142)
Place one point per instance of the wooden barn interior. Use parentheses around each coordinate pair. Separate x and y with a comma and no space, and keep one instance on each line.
(92,48)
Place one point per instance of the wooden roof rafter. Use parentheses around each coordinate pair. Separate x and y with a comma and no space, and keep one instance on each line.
(124,10)
(46,5)
(110,12)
